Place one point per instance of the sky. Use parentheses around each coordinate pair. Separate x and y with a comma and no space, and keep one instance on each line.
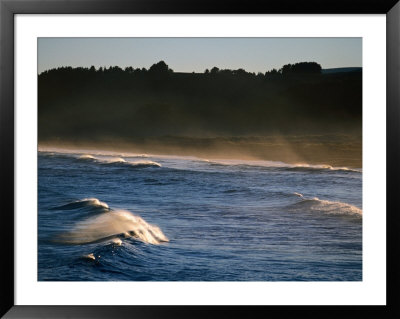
(197,54)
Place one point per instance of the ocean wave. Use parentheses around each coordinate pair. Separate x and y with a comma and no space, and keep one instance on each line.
(326,206)
(111,158)
(144,163)
(309,167)
(118,161)
(136,164)
(111,224)
(89,256)
(116,241)
(86,157)
(92,202)
(281,165)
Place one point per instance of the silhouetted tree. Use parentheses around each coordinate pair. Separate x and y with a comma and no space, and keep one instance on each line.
(214,70)
(301,68)
(240,72)
(160,67)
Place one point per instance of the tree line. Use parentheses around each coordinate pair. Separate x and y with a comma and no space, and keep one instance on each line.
(133,103)
(162,68)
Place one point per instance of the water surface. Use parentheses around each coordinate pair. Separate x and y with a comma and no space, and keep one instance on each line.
(138,217)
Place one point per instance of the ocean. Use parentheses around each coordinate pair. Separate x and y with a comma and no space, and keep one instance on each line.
(114,216)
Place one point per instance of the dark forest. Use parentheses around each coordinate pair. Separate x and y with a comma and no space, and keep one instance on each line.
(133,103)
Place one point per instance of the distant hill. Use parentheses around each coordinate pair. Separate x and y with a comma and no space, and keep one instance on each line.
(132,104)
(340,70)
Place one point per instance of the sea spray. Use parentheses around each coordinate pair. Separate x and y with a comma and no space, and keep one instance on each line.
(85,202)
(111,224)
(326,206)
(118,160)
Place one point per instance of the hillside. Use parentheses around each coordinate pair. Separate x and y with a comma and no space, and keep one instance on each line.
(83,103)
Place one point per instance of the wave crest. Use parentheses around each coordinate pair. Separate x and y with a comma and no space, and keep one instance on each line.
(114,160)
(86,157)
(111,224)
(118,161)
(326,206)
(85,202)
(144,163)
(281,165)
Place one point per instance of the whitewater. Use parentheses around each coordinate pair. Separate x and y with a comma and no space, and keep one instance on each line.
(115,216)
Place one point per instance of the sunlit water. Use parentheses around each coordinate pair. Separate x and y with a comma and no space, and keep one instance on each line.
(107,216)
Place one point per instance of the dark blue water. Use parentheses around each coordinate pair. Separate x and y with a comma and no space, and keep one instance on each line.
(157,218)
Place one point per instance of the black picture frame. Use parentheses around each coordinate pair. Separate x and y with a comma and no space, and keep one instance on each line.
(8,10)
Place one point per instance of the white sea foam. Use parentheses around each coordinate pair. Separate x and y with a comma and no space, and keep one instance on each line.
(118,157)
(331,207)
(113,223)
(116,241)
(102,159)
(113,160)
(119,160)
(90,256)
(317,166)
(87,156)
(323,166)
(93,202)
(336,207)
(144,163)
(278,164)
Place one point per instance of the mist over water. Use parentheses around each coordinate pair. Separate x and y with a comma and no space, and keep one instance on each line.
(339,150)
(137,216)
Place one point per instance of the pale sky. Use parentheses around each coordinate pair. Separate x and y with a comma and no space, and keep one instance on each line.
(198,54)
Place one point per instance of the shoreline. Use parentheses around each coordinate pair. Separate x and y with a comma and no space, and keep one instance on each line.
(333,150)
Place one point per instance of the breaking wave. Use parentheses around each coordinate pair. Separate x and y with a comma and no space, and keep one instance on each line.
(145,163)
(93,202)
(112,158)
(86,157)
(118,161)
(326,206)
(309,167)
(281,165)
(111,224)
(89,256)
